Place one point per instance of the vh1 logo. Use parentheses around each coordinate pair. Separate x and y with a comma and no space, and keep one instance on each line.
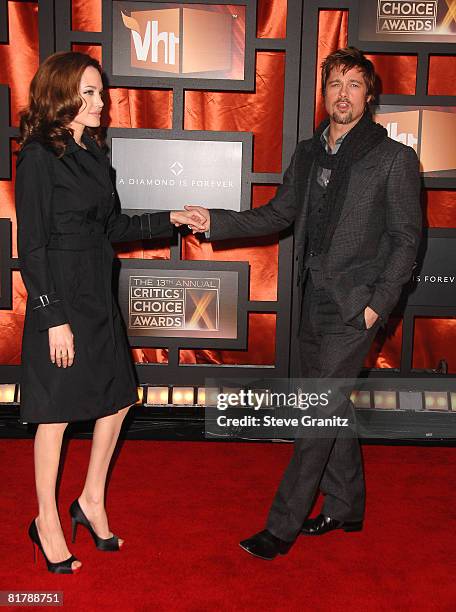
(431,131)
(402,126)
(180,40)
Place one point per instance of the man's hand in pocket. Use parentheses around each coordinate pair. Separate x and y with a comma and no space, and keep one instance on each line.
(370,317)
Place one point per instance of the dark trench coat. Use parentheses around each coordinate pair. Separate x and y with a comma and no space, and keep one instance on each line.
(67,219)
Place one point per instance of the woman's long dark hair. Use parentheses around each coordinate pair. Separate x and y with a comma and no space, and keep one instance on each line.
(54,101)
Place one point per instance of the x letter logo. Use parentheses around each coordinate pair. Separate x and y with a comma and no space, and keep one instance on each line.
(450,14)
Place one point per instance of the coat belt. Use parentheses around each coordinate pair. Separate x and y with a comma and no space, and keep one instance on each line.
(77,242)
(84,242)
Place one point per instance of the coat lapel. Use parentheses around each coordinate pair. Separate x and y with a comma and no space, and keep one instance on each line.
(361,175)
(304,171)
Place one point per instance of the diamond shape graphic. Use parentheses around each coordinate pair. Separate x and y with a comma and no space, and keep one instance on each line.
(177,168)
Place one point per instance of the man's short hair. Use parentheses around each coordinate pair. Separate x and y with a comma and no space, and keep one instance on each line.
(349,58)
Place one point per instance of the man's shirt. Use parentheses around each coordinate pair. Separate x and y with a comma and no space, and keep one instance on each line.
(324,174)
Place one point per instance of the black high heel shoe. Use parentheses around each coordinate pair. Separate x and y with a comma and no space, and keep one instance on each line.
(63,567)
(79,518)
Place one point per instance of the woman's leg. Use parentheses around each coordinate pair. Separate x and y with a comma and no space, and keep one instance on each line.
(91,500)
(48,445)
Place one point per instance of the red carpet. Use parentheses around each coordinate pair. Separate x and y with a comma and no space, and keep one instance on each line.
(182,508)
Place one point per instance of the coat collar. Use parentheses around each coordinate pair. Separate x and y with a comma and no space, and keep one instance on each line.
(73,147)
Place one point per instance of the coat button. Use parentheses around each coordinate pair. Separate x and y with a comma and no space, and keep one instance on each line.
(112,194)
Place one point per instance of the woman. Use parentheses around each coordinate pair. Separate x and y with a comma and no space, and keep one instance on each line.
(75,356)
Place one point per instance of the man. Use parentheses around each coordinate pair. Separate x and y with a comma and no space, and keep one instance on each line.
(353,195)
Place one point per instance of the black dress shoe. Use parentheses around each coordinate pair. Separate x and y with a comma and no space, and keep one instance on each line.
(322,524)
(265,545)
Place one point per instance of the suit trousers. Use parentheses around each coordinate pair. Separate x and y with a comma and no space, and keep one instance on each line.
(327,459)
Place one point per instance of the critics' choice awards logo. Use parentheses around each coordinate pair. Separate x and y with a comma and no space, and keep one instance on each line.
(431,131)
(408,20)
(173,303)
(398,17)
(181,40)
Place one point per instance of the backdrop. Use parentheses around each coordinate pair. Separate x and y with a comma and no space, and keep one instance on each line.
(260,112)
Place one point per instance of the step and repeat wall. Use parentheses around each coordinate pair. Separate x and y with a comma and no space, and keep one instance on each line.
(205,104)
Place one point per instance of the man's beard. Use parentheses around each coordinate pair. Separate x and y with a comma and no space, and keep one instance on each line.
(343,119)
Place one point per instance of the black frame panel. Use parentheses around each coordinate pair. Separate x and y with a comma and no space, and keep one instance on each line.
(3,21)
(6,295)
(300,46)
(6,133)
(46,30)
(5,145)
(191,374)
(60,13)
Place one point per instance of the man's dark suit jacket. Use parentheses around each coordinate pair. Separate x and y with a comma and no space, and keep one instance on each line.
(374,246)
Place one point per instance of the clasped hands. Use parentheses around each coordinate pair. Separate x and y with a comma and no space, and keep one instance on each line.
(197,218)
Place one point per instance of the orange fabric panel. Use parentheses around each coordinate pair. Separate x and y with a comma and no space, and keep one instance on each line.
(440,207)
(442,75)
(11,325)
(262,254)
(19,59)
(260,112)
(86,15)
(386,348)
(261,343)
(260,351)
(93,50)
(140,108)
(149,355)
(272,18)
(396,73)
(434,340)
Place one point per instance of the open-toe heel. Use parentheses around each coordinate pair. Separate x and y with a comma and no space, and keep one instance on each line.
(63,567)
(79,518)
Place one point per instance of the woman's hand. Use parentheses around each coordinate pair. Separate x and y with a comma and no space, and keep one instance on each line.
(61,347)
